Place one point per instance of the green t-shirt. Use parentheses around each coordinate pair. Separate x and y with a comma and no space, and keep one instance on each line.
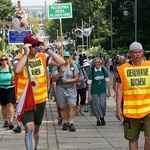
(5,78)
(98,81)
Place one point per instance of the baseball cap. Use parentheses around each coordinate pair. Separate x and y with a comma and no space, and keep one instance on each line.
(86,64)
(66,53)
(135,46)
(31,39)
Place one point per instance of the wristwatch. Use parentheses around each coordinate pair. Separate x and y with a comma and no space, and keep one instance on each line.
(47,49)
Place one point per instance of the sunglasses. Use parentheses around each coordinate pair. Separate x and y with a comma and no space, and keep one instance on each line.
(37,45)
(4,59)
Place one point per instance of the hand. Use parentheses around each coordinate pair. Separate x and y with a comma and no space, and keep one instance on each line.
(64,80)
(89,98)
(62,69)
(108,94)
(119,114)
(43,46)
(26,48)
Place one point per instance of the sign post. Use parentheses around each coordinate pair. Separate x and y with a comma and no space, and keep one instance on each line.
(59,11)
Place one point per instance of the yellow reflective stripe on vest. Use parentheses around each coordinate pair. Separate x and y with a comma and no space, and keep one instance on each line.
(137,91)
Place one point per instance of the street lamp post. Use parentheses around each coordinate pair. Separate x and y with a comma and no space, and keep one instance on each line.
(126,13)
(111,28)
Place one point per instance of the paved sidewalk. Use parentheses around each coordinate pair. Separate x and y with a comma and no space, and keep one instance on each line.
(88,136)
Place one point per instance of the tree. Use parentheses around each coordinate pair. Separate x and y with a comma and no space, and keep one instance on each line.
(7,10)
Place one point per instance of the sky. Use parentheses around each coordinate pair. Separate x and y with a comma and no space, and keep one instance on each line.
(33,2)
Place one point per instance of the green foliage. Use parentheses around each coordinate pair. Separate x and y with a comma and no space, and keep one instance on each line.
(2,45)
(35,27)
(123,26)
(6,10)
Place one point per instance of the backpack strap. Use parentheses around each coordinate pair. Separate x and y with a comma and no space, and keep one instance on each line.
(102,69)
(72,68)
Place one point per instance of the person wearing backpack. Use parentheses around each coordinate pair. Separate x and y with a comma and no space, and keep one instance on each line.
(65,77)
(7,91)
(98,90)
(81,90)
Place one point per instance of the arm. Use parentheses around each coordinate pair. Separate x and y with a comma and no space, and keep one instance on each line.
(18,67)
(108,89)
(119,99)
(89,93)
(114,82)
(56,76)
(57,60)
(73,80)
(48,80)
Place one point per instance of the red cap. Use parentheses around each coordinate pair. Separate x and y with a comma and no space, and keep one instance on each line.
(31,39)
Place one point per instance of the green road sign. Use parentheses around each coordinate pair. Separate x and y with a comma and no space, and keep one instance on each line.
(60,10)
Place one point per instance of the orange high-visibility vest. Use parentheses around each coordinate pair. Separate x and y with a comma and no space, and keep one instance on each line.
(136,89)
(38,71)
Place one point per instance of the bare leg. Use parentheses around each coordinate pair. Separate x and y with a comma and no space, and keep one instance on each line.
(147,143)
(10,111)
(29,136)
(64,114)
(36,135)
(4,113)
(72,113)
(133,145)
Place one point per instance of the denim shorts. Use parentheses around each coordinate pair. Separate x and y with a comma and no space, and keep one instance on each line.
(132,127)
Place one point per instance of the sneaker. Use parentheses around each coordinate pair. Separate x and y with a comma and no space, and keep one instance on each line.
(86,109)
(17,129)
(72,128)
(11,126)
(65,126)
(103,121)
(98,123)
(59,121)
(5,124)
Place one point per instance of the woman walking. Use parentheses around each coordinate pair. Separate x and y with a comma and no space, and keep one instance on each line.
(98,81)
(7,91)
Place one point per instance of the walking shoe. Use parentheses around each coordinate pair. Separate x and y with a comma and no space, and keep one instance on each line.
(5,124)
(103,122)
(65,126)
(11,126)
(98,123)
(86,109)
(59,121)
(72,128)
(17,129)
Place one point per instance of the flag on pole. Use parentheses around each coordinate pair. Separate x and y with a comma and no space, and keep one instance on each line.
(26,101)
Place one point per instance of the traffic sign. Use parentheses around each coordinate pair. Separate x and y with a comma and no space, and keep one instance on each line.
(60,10)
(17,38)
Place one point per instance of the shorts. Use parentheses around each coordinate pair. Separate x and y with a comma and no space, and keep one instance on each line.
(66,96)
(35,116)
(7,96)
(132,127)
